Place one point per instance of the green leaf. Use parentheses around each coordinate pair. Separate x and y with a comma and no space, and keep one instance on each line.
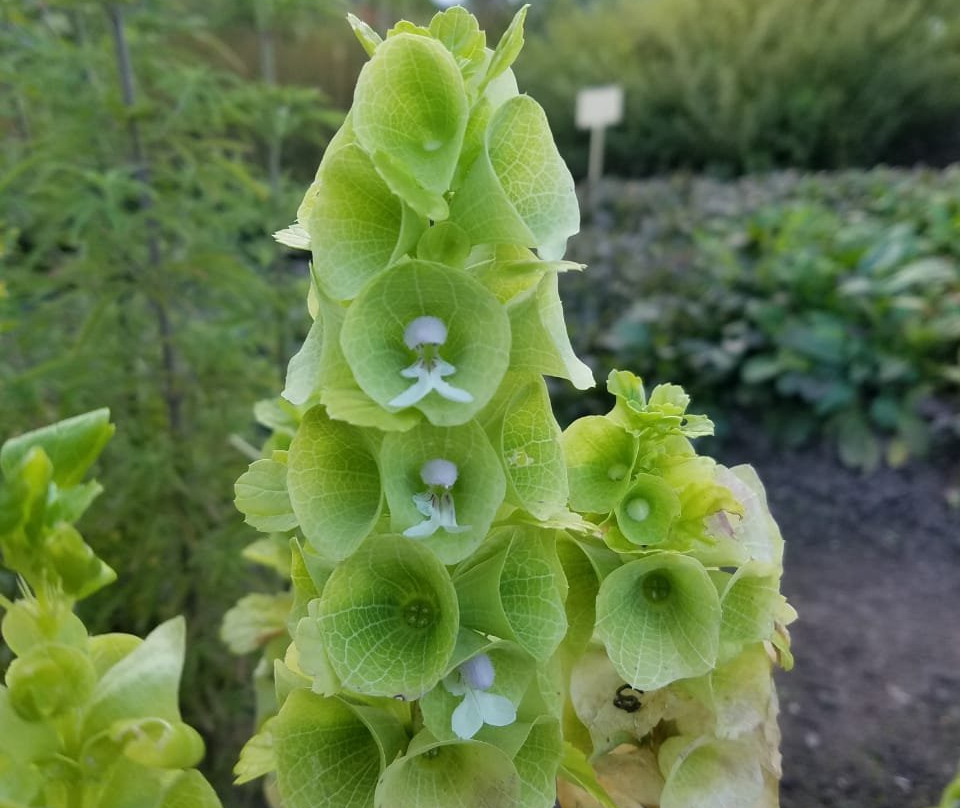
(576,769)
(334,484)
(258,756)
(857,445)
(150,742)
(261,496)
(476,494)
(659,618)
(531,451)
(444,243)
(303,370)
(540,341)
(143,684)
(713,774)
(254,621)
(28,623)
(751,603)
(519,191)
(130,785)
(600,456)
(326,755)
(23,741)
(367,37)
(477,342)
(509,46)
(537,763)
(357,226)
(389,618)
(514,588)
(755,530)
(583,584)
(460,32)
(409,114)
(463,774)
(72,560)
(72,446)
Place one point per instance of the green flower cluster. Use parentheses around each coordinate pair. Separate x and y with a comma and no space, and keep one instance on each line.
(475,592)
(84,721)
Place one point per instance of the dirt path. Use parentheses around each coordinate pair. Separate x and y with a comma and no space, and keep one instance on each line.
(871,712)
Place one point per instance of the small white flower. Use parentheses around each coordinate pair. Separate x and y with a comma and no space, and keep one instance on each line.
(424,335)
(436,503)
(472,680)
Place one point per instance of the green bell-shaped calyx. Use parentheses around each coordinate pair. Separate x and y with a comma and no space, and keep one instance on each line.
(514,588)
(427,336)
(48,680)
(659,619)
(443,487)
(710,774)
(445,774)
(600,456)
(529,439)
(647,511)
(519,190)
(409,114)
(389,618)
(329,753)
(72,446)
(334,484)
(357,226)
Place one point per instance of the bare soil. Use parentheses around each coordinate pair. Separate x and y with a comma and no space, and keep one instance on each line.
(871,711)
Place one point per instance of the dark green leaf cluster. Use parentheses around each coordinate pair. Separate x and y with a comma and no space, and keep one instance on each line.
(84,720)
(749,85)
(836,311)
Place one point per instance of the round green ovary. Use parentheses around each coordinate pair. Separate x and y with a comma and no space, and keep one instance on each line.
(638,509)
(617,471)
(656,587)
(419,613)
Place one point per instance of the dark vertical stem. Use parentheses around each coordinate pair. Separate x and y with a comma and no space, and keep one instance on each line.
(141,171)
(266,41)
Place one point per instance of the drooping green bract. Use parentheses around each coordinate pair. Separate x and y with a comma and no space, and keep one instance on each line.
(482,603)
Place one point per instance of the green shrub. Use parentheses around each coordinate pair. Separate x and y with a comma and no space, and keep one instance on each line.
(830,304)
(738,85)
(138,272)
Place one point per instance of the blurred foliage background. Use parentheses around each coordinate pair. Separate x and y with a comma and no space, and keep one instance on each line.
(148,149)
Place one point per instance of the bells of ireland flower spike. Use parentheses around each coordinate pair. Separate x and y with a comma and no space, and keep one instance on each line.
(389,618)
(428,336)
(443,487)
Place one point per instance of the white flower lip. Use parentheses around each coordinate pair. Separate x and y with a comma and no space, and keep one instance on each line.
(424,335)
(436,505)
(472,680)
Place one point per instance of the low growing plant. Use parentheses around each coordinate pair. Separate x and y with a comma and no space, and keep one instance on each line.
(842,323)
(487,611)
